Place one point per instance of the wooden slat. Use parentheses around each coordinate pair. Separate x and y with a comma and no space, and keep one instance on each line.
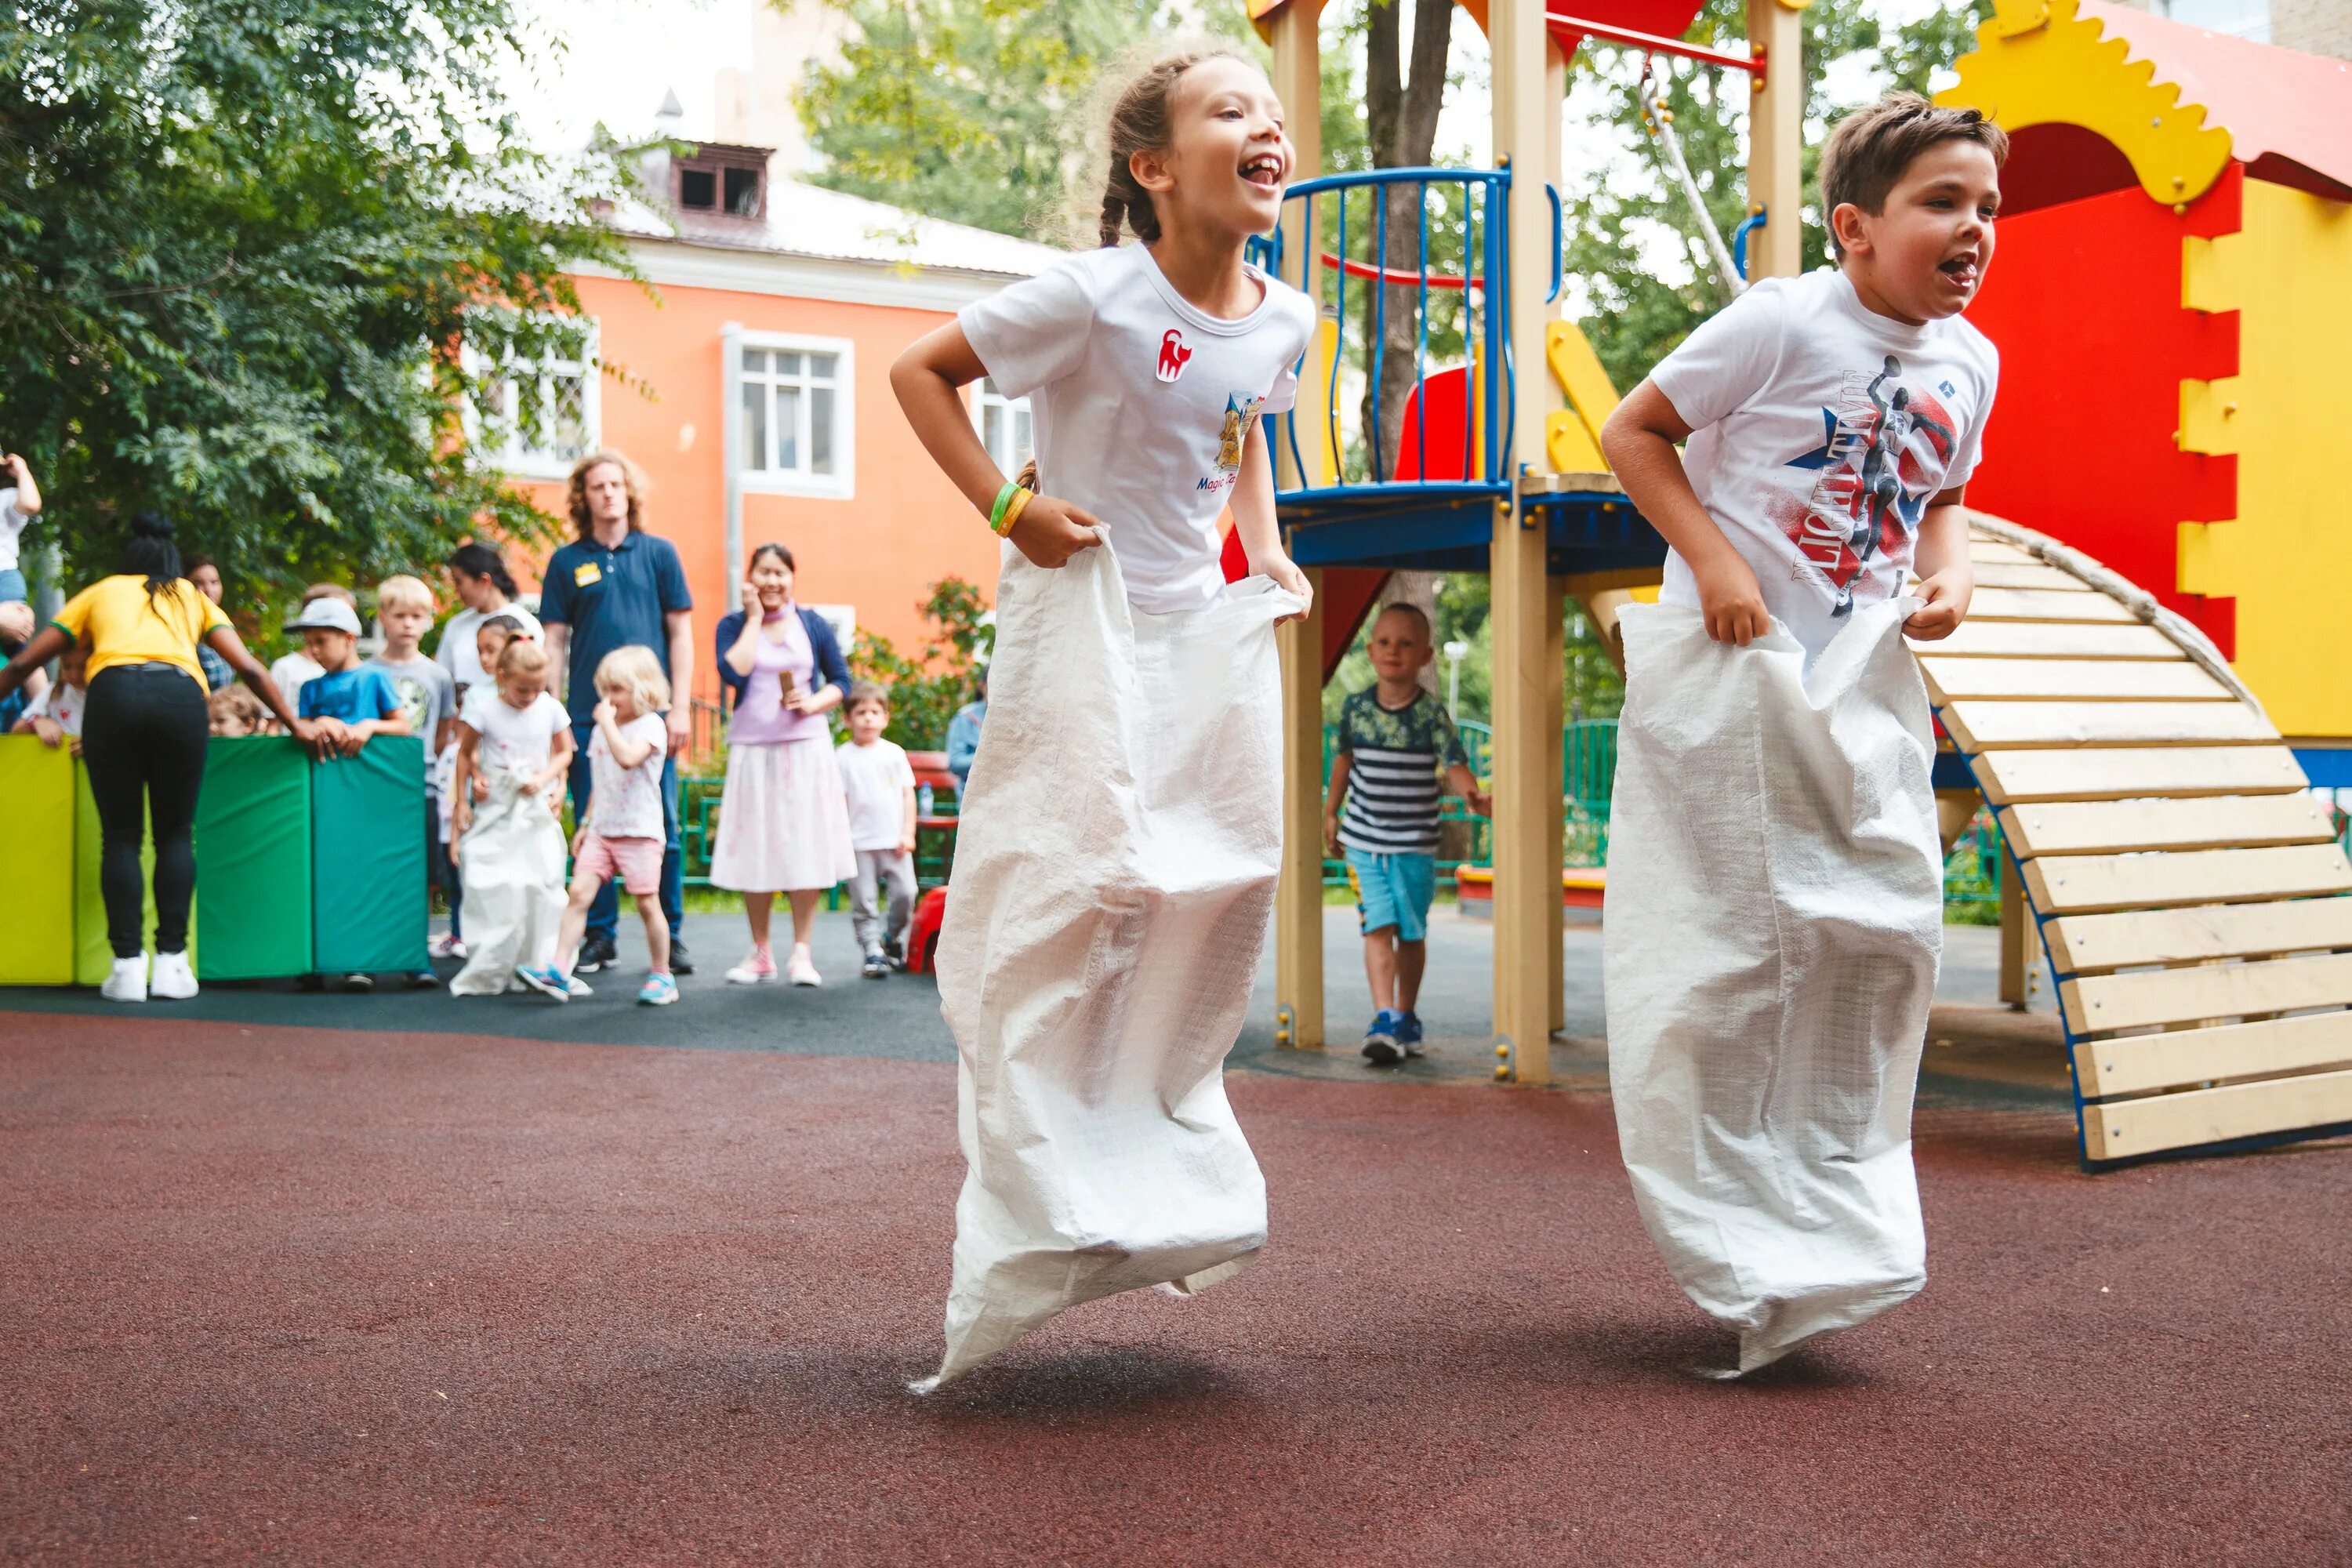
(2119,1129)
(2017,574)
(2097,1004)
(2128,772)
(1975,638)
(1977,725)
(2086,884)
(2212,822)
(2068,679)
(1984,550)
(2138,1064)
(2041,605)
(2088,944)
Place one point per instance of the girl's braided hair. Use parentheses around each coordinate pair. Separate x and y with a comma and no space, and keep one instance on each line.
(1139,123)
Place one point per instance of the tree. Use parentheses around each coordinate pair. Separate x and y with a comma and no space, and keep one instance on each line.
(926,691)
(244,243)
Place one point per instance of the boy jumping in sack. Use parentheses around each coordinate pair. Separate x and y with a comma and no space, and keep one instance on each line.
(1765,1027)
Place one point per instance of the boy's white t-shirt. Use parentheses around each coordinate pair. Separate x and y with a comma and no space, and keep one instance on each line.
(12,527)
(1142,403)
(511,737)
(875,780)
(1820,430)
(459,651)
(625,803)
(289,672)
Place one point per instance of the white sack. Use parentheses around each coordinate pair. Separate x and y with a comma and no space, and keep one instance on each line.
(1114,877)
(511,864)
(1774,919)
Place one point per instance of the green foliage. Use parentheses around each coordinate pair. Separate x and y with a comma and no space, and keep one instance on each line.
(1634,318)
(926,691)
(241,243)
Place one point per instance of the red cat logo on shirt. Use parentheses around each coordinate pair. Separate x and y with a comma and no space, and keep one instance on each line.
(1173,355)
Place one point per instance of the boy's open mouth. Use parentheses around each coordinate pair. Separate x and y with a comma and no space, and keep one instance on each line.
(1961,269)
(1263,169)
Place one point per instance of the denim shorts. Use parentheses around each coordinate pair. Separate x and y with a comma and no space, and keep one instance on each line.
(1393,890)
(12,584)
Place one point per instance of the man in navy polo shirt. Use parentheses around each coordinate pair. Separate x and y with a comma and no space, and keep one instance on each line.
(619,587)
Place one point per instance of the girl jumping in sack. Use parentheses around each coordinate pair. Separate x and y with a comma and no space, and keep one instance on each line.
(1121,828)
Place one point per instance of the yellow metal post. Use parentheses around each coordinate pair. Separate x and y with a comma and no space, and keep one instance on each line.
(1529,76)
(1775,137)
(1298,897)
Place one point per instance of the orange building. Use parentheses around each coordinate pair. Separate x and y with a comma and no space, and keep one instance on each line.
(748,374)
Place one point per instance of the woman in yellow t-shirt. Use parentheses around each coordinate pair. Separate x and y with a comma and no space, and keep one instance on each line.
(144,735)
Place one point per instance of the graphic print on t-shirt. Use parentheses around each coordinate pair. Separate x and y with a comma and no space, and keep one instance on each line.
(1173,355)
(1875,484)
(1241,413)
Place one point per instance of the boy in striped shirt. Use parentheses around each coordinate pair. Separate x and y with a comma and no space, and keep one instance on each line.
(1394,738)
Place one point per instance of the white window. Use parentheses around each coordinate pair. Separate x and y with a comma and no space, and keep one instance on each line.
(794,405)
(541,416)
(1004,428)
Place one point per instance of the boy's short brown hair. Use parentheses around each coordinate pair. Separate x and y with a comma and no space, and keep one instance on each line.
(1404,607)
(1870,148)
(867,692)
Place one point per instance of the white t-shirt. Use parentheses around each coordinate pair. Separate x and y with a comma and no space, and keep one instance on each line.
(1143,402)
(1820,430)
(512,737)
(459,651)
(288,674)
(12,527)
(61,702)
(875,778)
(625,803)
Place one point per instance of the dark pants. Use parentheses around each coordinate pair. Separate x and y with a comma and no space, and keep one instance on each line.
(604,914)
(143,737)
(443,871)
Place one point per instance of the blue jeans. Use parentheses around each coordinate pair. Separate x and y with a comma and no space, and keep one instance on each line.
(604,914)
(12,584)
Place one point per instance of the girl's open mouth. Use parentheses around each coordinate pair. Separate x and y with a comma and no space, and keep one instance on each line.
(1263,171)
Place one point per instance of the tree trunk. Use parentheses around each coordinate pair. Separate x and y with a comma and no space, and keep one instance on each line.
(1401,126)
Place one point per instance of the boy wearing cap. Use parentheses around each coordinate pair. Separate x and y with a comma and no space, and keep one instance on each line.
(352,700)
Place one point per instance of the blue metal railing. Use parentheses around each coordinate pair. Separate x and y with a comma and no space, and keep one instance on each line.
(1345,244)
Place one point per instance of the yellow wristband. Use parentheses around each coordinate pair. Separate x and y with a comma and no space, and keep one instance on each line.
(1013,511)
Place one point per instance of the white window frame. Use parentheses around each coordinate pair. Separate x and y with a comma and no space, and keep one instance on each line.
(523,462)
(985,396)
(842,483)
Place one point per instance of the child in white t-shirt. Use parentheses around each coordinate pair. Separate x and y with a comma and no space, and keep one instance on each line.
(515,742)
(1832,421)
(55,714)
(880,783)
(622,836)
(1120,835)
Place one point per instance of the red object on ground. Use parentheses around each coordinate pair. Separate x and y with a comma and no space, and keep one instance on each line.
(312,1296)
(923,930)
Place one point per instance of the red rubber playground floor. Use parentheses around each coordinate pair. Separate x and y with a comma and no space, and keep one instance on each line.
(329,1295)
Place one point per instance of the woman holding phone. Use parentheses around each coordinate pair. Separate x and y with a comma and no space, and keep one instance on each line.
(784,823)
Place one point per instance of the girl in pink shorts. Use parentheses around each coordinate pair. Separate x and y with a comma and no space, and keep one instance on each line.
(622,836)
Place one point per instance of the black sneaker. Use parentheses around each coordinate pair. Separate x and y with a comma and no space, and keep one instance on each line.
(679,964)
(896,953)
(597,954)
(878,967)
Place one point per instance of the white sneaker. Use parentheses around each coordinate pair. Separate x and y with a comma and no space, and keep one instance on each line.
(758,968)
(172,980)
(127,981)
(447,946)
(800,970)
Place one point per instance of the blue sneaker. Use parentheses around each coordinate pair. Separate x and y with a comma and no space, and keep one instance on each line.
(1381,1047)
(1408,1033)
(659,991)
(548,981)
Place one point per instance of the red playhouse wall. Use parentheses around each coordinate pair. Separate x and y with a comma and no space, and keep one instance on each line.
(2084,301)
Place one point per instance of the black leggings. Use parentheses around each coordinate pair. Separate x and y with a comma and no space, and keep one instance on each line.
(143,737)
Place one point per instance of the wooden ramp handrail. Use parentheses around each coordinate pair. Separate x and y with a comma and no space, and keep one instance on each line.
(2191,897)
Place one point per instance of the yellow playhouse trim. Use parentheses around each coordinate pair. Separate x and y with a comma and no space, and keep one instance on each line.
(1573,435)
(2038,63)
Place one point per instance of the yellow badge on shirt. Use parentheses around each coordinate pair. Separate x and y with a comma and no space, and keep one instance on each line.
(587,571)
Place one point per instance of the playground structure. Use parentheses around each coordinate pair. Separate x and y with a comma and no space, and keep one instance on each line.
(2185,884)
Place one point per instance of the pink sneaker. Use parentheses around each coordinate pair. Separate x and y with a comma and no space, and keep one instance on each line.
(758,968)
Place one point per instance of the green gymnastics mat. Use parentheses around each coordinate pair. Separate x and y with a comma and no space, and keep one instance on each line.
(38,785)
(367,860)
(253,860)
(92,955)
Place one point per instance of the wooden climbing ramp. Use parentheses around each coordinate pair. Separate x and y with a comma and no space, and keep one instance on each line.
(2189,889)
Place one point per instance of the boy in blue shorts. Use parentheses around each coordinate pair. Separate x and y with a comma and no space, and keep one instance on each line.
(1381,813)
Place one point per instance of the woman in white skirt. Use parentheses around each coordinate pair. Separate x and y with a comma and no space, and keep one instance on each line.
(783,823)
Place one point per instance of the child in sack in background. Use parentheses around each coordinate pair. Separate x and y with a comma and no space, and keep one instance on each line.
(880,783)
(55,714)
(623,836)
(1832,421)
(428,698)
(487,639)
(516,740)
(1394,739)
